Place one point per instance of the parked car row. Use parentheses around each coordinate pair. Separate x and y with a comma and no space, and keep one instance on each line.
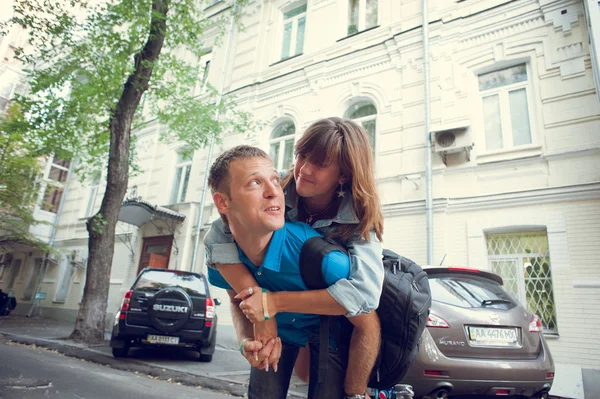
(479,340)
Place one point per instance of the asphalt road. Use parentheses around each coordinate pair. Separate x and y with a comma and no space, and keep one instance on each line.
(30,372)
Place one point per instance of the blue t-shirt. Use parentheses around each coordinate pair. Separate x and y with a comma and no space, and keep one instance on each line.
(280,272)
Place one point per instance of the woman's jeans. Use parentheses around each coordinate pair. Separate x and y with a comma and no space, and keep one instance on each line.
(274,385)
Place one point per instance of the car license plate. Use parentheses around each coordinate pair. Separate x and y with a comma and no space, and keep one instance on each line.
(493,336)
(161,339)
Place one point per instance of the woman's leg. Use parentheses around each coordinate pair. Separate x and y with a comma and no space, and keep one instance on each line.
(271,384)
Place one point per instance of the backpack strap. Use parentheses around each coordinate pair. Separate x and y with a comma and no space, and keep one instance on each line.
(311,270)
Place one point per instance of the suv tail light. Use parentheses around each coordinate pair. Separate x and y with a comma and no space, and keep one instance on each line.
(535,325)
(437,322)
(125,304)
(210,312)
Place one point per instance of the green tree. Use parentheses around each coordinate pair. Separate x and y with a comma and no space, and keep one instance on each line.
(19,189)
(94,63)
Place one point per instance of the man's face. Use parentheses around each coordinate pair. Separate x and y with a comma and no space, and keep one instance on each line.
(256,201)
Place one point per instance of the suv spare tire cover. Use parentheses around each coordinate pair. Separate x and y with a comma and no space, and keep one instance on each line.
(170,309)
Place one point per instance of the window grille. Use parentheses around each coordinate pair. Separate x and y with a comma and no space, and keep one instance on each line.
(523,261)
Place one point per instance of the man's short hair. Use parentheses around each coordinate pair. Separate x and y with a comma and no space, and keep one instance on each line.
(219,179)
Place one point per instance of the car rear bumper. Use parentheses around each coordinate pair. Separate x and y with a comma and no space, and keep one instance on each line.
(465,376)
(136,335)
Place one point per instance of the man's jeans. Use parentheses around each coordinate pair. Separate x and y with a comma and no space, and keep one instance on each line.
(274,385)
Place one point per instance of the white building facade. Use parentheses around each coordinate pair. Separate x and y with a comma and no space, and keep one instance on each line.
(515,115)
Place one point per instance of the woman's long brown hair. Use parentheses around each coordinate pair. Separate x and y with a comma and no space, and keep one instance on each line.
(343,139)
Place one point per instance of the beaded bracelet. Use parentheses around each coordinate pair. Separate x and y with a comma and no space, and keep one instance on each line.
(242,346)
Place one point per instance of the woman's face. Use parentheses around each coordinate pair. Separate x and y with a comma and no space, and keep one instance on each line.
(316,180)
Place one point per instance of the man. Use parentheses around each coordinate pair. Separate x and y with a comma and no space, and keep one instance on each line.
(247,194)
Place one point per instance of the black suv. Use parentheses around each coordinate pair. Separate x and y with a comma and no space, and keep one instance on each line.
(167,308)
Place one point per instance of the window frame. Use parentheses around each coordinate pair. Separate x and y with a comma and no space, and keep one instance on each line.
(204,64)
(368,118)
(176,198)
(521,280)
(292,52)
(504,103)
(281,143)
(362,18)
(54,184)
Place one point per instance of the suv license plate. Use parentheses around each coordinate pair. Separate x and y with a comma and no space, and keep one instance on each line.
(493,336)
(161,339)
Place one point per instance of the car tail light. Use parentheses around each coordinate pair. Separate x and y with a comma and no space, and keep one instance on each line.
(549,376)
(125,304)
(437,322)
(502,392)
(535,325)
(432,372)
(210,312)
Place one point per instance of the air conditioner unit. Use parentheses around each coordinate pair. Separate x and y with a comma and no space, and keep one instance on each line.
(453,140)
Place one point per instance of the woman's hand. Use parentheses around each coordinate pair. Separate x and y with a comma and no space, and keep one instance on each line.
(258,355)
(264,332)
(252,304)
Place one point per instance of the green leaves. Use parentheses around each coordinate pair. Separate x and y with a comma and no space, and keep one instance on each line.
(81,54)
(19,184)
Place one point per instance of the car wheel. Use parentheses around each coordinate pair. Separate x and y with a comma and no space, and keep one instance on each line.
(205,358)
(120,352)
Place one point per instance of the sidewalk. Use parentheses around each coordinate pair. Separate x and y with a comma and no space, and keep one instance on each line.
(228,372)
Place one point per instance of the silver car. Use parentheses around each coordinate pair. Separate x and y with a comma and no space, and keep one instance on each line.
(479,341)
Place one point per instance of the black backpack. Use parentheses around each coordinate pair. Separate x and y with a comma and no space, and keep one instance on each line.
(403,310)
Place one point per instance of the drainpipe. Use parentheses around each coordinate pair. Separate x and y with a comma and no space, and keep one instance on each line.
(212,138)
(52,235)
(428,180)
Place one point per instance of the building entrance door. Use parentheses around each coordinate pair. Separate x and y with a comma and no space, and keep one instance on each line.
(156,252)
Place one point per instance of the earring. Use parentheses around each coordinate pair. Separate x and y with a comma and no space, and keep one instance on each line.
(340,192)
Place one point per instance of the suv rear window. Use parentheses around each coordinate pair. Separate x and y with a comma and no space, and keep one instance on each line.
(470,292)
(153,280)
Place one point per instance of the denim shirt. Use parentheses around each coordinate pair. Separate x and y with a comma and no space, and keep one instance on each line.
(359,293)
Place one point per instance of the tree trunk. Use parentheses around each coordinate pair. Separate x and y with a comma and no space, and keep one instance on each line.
(89,326)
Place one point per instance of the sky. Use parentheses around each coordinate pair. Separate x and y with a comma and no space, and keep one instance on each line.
(5,10)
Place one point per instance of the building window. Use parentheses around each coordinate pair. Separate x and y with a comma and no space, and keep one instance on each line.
(57,176)
(294,24)
(506,117)
(281,145)
(183,168)
(93,193)
(365,114)
(362,14)
(203,71)
(523,261)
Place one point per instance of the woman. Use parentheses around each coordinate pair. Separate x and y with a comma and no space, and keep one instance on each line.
(331,187)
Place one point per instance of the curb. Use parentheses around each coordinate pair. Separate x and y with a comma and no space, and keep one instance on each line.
(131,365)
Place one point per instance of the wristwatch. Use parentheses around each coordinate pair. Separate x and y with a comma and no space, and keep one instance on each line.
(356,396)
